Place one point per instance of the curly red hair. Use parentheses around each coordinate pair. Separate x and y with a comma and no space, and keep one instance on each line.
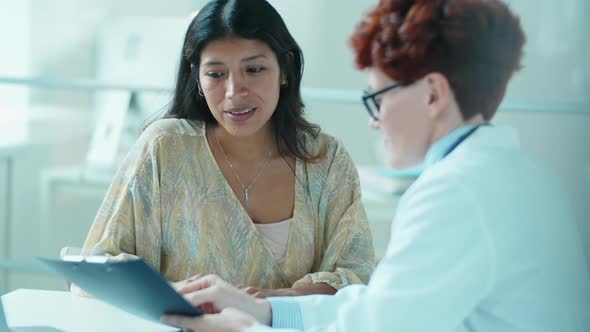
(475,44)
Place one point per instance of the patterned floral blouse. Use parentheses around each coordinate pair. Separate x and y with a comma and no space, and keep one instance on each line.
(171,205)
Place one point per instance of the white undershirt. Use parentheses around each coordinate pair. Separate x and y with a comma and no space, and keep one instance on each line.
(276,236)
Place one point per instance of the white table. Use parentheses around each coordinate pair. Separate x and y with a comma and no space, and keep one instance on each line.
(64,311)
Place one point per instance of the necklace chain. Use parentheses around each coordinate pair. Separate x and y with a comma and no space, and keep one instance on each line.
(231,166)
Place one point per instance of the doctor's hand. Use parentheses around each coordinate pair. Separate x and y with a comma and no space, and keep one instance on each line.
(180,284)
(212,295)
(228,320)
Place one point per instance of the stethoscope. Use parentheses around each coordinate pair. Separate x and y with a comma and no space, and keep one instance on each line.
(462,138)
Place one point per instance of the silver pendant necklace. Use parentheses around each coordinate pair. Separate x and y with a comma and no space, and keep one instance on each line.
(231,166)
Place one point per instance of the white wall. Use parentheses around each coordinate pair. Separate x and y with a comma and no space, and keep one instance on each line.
(15,56)
(560,140)
(556,52)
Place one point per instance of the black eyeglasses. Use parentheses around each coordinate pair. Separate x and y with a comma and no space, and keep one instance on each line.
(371,103)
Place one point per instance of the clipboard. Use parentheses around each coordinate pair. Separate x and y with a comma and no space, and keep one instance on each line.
(132,285)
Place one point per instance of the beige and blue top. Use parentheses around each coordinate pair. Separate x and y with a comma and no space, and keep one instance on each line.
(171,205)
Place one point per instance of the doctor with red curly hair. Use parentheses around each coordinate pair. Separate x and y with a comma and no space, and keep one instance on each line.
(485,239)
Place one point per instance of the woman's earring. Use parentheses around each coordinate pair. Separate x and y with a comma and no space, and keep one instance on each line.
(200,90)
(285,84)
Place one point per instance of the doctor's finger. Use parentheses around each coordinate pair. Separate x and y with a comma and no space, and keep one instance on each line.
(183,322)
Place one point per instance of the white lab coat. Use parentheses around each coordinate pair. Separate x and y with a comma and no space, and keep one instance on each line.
(484,240)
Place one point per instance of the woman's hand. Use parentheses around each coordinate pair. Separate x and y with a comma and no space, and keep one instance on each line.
(212,295)
(261,293)
(319,288)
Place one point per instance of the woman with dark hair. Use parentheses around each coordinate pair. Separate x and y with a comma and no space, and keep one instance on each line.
(485,239)
(234,180)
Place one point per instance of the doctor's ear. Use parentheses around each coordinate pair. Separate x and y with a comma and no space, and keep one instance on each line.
(440,93)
